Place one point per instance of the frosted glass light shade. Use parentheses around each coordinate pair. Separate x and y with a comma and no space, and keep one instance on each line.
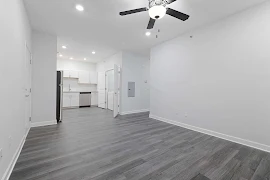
(157,12)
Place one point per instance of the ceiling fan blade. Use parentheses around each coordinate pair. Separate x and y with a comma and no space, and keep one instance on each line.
(170,1)
(177,14)
(151,23)
(133,11)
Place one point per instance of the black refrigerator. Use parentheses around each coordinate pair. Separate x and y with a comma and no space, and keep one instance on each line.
(59,95)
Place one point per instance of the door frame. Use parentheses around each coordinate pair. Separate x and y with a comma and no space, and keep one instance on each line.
(117,90)
(28,92)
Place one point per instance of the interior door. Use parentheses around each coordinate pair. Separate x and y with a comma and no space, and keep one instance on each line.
(28,62)
(110,100)
(109,87)
(116,91)
(101,90)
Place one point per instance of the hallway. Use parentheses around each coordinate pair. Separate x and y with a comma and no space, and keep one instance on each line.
(90,144)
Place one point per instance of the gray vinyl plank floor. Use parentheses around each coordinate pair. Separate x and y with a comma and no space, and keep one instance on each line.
(91,145)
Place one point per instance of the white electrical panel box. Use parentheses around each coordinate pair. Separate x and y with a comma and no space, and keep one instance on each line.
(131,89)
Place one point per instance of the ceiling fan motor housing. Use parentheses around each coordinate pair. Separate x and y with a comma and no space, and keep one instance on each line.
(157,3)
(157,8)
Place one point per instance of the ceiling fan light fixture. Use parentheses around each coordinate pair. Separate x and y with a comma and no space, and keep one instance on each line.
(157,12)
(79,7)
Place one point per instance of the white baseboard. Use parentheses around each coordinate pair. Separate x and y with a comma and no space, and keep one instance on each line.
(245,142)
(135,111)
(15,157)
(45,123)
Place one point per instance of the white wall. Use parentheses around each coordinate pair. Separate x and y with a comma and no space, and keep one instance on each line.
(109,62)
(14,32)
(219,80)
(44,78)
(135,68)
(102,67)
(75,65)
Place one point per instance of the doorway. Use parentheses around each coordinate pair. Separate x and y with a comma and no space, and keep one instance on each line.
(109,90)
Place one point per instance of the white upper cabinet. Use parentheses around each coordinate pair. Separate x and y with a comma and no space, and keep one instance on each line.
(66,74)
(71,74)
(94,98)
(93,77)
(84,77)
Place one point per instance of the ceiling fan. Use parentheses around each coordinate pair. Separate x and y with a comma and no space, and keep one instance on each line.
(157,10)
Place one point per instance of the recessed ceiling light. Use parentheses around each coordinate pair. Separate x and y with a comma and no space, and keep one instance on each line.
(148,33)
(93,52)
(79,7)
(84,59)
(64,47)
(71,58)
(60,55)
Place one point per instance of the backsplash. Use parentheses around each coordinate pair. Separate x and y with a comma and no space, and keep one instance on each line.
(75,86)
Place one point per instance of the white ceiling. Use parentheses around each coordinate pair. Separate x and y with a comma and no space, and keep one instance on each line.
(102,29)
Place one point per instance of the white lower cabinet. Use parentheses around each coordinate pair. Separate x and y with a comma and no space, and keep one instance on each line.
(94,99)
(71,99)
(66,100)
(75,98)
